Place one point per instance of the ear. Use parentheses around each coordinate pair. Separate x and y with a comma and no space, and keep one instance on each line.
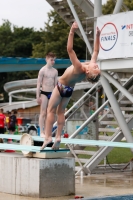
(87,70)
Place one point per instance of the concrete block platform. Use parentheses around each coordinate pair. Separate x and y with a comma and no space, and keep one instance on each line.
(36,177)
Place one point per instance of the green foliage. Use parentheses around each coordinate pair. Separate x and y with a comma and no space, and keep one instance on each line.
(38,50)
(55,37)
(17,42)
(110,5)
(26,42)
(116,156)
(120,155)
(129,4)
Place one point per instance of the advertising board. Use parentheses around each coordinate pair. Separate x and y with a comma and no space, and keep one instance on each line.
(116,38)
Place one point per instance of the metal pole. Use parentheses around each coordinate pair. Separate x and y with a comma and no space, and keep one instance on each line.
(97,12)
(95,113)
(87,121)
(97,98)
(66,113)
(118,6)
(82,98)
(119,116)
(80,26)
(117,85)
(104,95)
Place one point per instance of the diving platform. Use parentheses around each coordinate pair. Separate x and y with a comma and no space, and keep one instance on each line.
(29,171)
(74,141)
(36,177)
(122,65)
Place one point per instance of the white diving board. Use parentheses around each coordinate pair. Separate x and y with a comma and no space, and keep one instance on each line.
(64,141)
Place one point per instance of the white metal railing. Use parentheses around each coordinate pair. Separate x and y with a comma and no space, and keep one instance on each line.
(96,112)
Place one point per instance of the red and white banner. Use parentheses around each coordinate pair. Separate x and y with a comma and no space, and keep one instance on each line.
(116,39)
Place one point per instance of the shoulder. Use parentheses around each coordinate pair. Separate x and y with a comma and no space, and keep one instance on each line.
(55,71)
(41,71)
(78,68)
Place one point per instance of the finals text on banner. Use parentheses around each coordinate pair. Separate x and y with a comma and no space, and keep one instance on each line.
(116,39)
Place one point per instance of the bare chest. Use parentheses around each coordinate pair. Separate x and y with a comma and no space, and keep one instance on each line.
(49,74)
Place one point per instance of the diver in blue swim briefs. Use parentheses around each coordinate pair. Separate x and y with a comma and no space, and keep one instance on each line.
(47,80)
(64,88)
(65,91)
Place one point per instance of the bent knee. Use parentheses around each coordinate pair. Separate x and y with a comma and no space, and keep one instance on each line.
(60,111)
(51,110)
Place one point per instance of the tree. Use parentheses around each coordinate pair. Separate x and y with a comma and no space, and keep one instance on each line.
(6,37)
(129,4)
(110,5)
(55,37)
(16,42)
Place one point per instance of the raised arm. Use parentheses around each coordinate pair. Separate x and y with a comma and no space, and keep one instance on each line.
(39,82)
(72,55)
(96,47)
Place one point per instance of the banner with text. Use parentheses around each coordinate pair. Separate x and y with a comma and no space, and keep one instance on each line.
(116,38)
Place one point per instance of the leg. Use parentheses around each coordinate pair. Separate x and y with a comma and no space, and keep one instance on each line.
(12,130)
(60,122)
(43,113)
(51,112)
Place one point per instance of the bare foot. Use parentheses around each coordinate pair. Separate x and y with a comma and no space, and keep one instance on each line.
(56,144)
(42,135)
(46,142)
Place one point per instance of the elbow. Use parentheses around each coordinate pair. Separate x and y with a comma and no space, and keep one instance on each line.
(69,49)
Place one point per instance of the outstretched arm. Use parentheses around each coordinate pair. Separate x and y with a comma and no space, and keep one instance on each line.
(72,55)
(96,47)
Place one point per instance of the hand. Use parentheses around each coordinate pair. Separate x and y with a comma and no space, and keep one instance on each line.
(74,26)
(39,101)
(98,32)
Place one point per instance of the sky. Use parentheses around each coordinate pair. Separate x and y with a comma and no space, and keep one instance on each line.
(26,13)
